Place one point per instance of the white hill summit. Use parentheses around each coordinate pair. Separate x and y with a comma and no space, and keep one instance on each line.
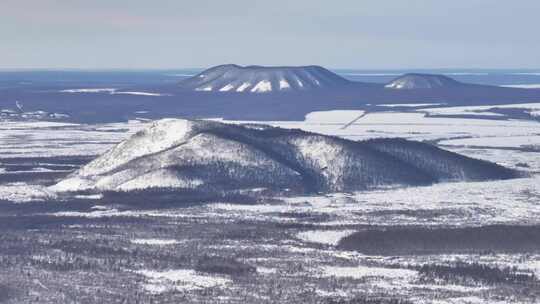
(422,81)
(212,156)
(259,79)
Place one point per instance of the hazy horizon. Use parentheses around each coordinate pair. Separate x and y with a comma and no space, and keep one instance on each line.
(366,35)
(339,69)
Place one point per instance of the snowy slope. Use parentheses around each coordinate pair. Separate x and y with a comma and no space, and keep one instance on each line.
(208,155)
(258,79)
(422,81)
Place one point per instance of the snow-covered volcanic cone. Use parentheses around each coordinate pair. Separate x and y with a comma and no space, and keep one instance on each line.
(259,79)
(422,81)
(208,156)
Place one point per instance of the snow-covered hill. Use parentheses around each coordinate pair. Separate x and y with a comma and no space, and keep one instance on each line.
(208,155)
(422,81)
(259,79)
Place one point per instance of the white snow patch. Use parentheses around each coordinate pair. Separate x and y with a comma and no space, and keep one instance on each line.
(90,196)
(95,213)
(162,134)
(21,192)
(180,280)
(154,242)
(284,85)
(262,86)
(496,141)
(392,105)
(90,90)
(365,271)
(141,93)
(481,110)
(100,207)
(242,87)
(396,85)
(325,237)
(533,266)
(523,86)
(265,270)
(333,117)
(183,75)
(158,178)
(226,88)
(526,73)
(111,91)
(207,89)
(73,183)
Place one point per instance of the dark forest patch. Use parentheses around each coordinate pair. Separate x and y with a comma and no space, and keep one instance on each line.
(422,213)
(5,293)
(425,240)
(56,222)
(220,265)
(461,272)
(158,198)
(43,178)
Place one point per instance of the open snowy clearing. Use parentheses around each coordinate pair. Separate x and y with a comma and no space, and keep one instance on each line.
(181,280)
(483,110)
(526,141)
(22,192)
(154,242)
(49,139)
(411,125)
(324,237)
(363,271)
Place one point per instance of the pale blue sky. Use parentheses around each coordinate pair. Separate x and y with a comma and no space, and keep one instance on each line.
(365,34)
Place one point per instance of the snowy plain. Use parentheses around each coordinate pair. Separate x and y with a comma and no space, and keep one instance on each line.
(510,142)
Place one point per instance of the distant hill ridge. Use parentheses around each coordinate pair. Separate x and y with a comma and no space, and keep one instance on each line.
(253,93)
(423,81)
(260,79)
(212,156)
